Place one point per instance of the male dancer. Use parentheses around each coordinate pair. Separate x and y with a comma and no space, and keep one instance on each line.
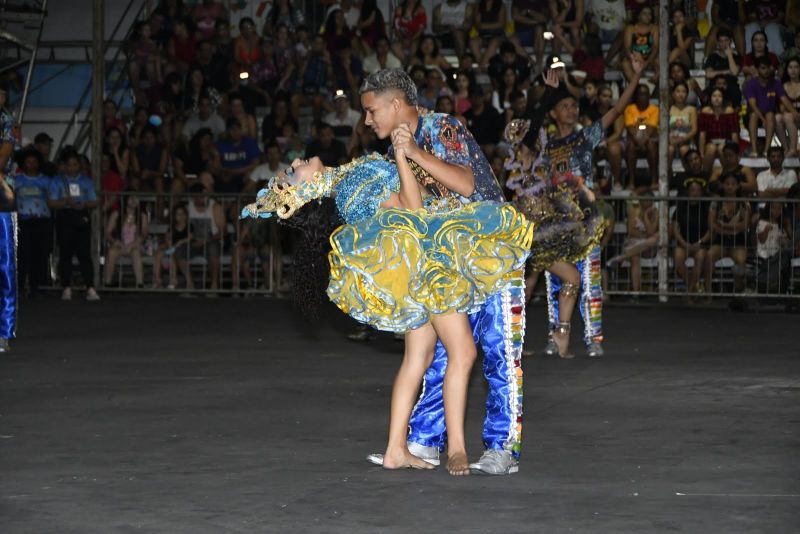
(9,136)
(446,159)
(568,154)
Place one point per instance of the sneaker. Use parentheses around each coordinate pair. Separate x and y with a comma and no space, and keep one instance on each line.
(551,349)
(66,294)
(495,462)
(91,295)
(4,345)
(595,349)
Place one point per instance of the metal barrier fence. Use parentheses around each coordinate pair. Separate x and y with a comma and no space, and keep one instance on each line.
(718,247)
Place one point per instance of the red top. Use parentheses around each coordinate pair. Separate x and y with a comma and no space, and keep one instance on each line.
(722,127)
(409,27)
(595,67)
(749,60)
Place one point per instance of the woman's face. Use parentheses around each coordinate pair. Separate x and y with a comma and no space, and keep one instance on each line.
(149,139)
(775,211)
(132,202)
(716,99)
(205,141)
(730,186)
(678,18)
(646,15)
(427,46)
(793,70)
(283,33)
(509,78)
(676,74)
(302,170)
(180,216)
(759,43)
(247,29)
(590,90)
(679,95)
(197,78)
(462,82)
(114,138)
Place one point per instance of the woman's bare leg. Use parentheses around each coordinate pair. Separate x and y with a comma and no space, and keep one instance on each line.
(456,335)
(567,296)
(420,344)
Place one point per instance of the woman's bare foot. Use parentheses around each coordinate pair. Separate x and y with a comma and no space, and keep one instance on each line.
(562,342)
(402,459)
(457,463)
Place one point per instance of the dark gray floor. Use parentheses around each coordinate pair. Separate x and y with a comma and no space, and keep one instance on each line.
(163,414)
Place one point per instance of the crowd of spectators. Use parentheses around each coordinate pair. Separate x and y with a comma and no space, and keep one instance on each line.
(224,102)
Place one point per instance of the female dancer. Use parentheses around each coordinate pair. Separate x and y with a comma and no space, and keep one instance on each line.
(402,268)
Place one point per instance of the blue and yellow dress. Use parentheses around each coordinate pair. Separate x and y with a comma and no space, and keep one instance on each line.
(394,268)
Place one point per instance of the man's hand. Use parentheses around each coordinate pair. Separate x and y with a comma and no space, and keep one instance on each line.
(551,78)
(637,62)
(403,139)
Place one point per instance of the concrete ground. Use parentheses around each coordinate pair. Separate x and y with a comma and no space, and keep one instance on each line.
(164,414)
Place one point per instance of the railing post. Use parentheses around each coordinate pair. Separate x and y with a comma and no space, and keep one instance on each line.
(663,149)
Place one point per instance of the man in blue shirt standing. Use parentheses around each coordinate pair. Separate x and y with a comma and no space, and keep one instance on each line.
(31,187)
(239,155)
(9,136)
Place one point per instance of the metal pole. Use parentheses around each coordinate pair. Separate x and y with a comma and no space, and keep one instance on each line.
(98,85)
(31,63)
(663,149)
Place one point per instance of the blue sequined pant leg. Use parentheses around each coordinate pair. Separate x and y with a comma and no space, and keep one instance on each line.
(498,329)
(591,297)
(8,275)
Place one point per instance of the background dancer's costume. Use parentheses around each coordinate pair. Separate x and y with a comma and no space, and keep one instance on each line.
(394,268)
(8,237)
(498,327)
(569,159)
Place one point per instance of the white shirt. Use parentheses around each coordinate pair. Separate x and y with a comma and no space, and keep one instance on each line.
(194,123)
(785,179)
(772,245)
(371,63)
(263,173)
(351,119)
(609,15)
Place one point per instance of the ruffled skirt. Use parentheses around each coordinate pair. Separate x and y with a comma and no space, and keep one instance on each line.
(395,270)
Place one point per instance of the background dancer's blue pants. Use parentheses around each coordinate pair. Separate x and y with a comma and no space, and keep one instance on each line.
(591,297)
(8,275)
(498,328)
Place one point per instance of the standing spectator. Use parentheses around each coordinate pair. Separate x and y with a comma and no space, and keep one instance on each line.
(126,234)
(723,61)
(326,147)
(692,235)
(775,181)
(641,123)
(731,164)
(268,170)
(239,156)
(452,21)
(489,22)
(382,57)
(718,124)
(727,16)
(72,195)
(343,118)
(729,219)
(758,48)
(149,164)
(765,15)
(682,122)
(43,143)
(204,117)
(641,38)
(764,93)
(31,188)
(409,22)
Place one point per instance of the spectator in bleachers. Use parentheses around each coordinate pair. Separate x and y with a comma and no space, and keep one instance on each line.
(224,49)
(444,104)
(794,50)
(182,47)
(692,235)
(193,160)
(126,234)
(343,118)
(140,120)
(110,182)
(642,238)
(772,244)
(205,14)
(326,147)
(337,34)
(382,57)
(681,39)
(461,100)
(608,21)
(641,37)
(290,60)
(206,225)
(727,16)
(43,144)
(641,123)
(204,118)
(764,94)
(682,122)
(483,121)
(239,156)
(145,60)
(72,195)
(274,164)
(348,71)
(283,13)
(31,189)
(506,87)
(316,76)
(236,108)
(215,73)
(275,124)
(435,86)
(530,17)
(111,118)
(775,181)
(507,57)
(452,21)
(176,248)
(692,171)
(428,55)
(371,26)
(587,56)
(758,48)
(767,16)
(255,242)
(729,219)
(489,21)
(265,75)
(149,163)
(117,151)
(718,124)
(197,87)
(247,46)
(408,22)
(611,148)
(723,61)
(567,17)
(731,164)
(678,72)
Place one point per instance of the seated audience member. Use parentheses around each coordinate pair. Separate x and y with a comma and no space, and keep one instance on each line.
(766,16)
(728,16)
(126,234)
(371,25)
(452,21)
(409,22)
(176,248)
(587,56)
(723,61)
(764,93)
(678,72)
(506,87)
(483,121)
(775,181)
(343,119)
(274,124)
(789,118)
(729,219)
(381,58)
(204,117)
(489,22)
(718,125)
(692,170)
(692,235)
(118,152)
(149,163)
(463,83)
(641,123)
(611,147)
(197,159)
(731,164)
(274,164)
(239,156)
(428,55)
(326,147)
(236,108)
(758,48)
(641,38)
(682,122)
(255,241)
(507,57)
(681,39)
(642,237)
(567,18)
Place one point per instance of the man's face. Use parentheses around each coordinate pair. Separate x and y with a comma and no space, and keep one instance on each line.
(730,159)
(44,148)
(565,113)
(694,162)
(235,133)
(775,158)
(764,71)
(642,98)
(723,42)
(605,97)
(519,105)
(341,105)
(382,112)
(434,79)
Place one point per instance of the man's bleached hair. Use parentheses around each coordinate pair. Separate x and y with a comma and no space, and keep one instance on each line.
(390,80)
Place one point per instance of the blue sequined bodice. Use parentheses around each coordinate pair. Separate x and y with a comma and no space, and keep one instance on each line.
(362,189)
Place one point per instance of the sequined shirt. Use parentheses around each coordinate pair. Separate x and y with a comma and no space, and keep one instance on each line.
(569,159)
